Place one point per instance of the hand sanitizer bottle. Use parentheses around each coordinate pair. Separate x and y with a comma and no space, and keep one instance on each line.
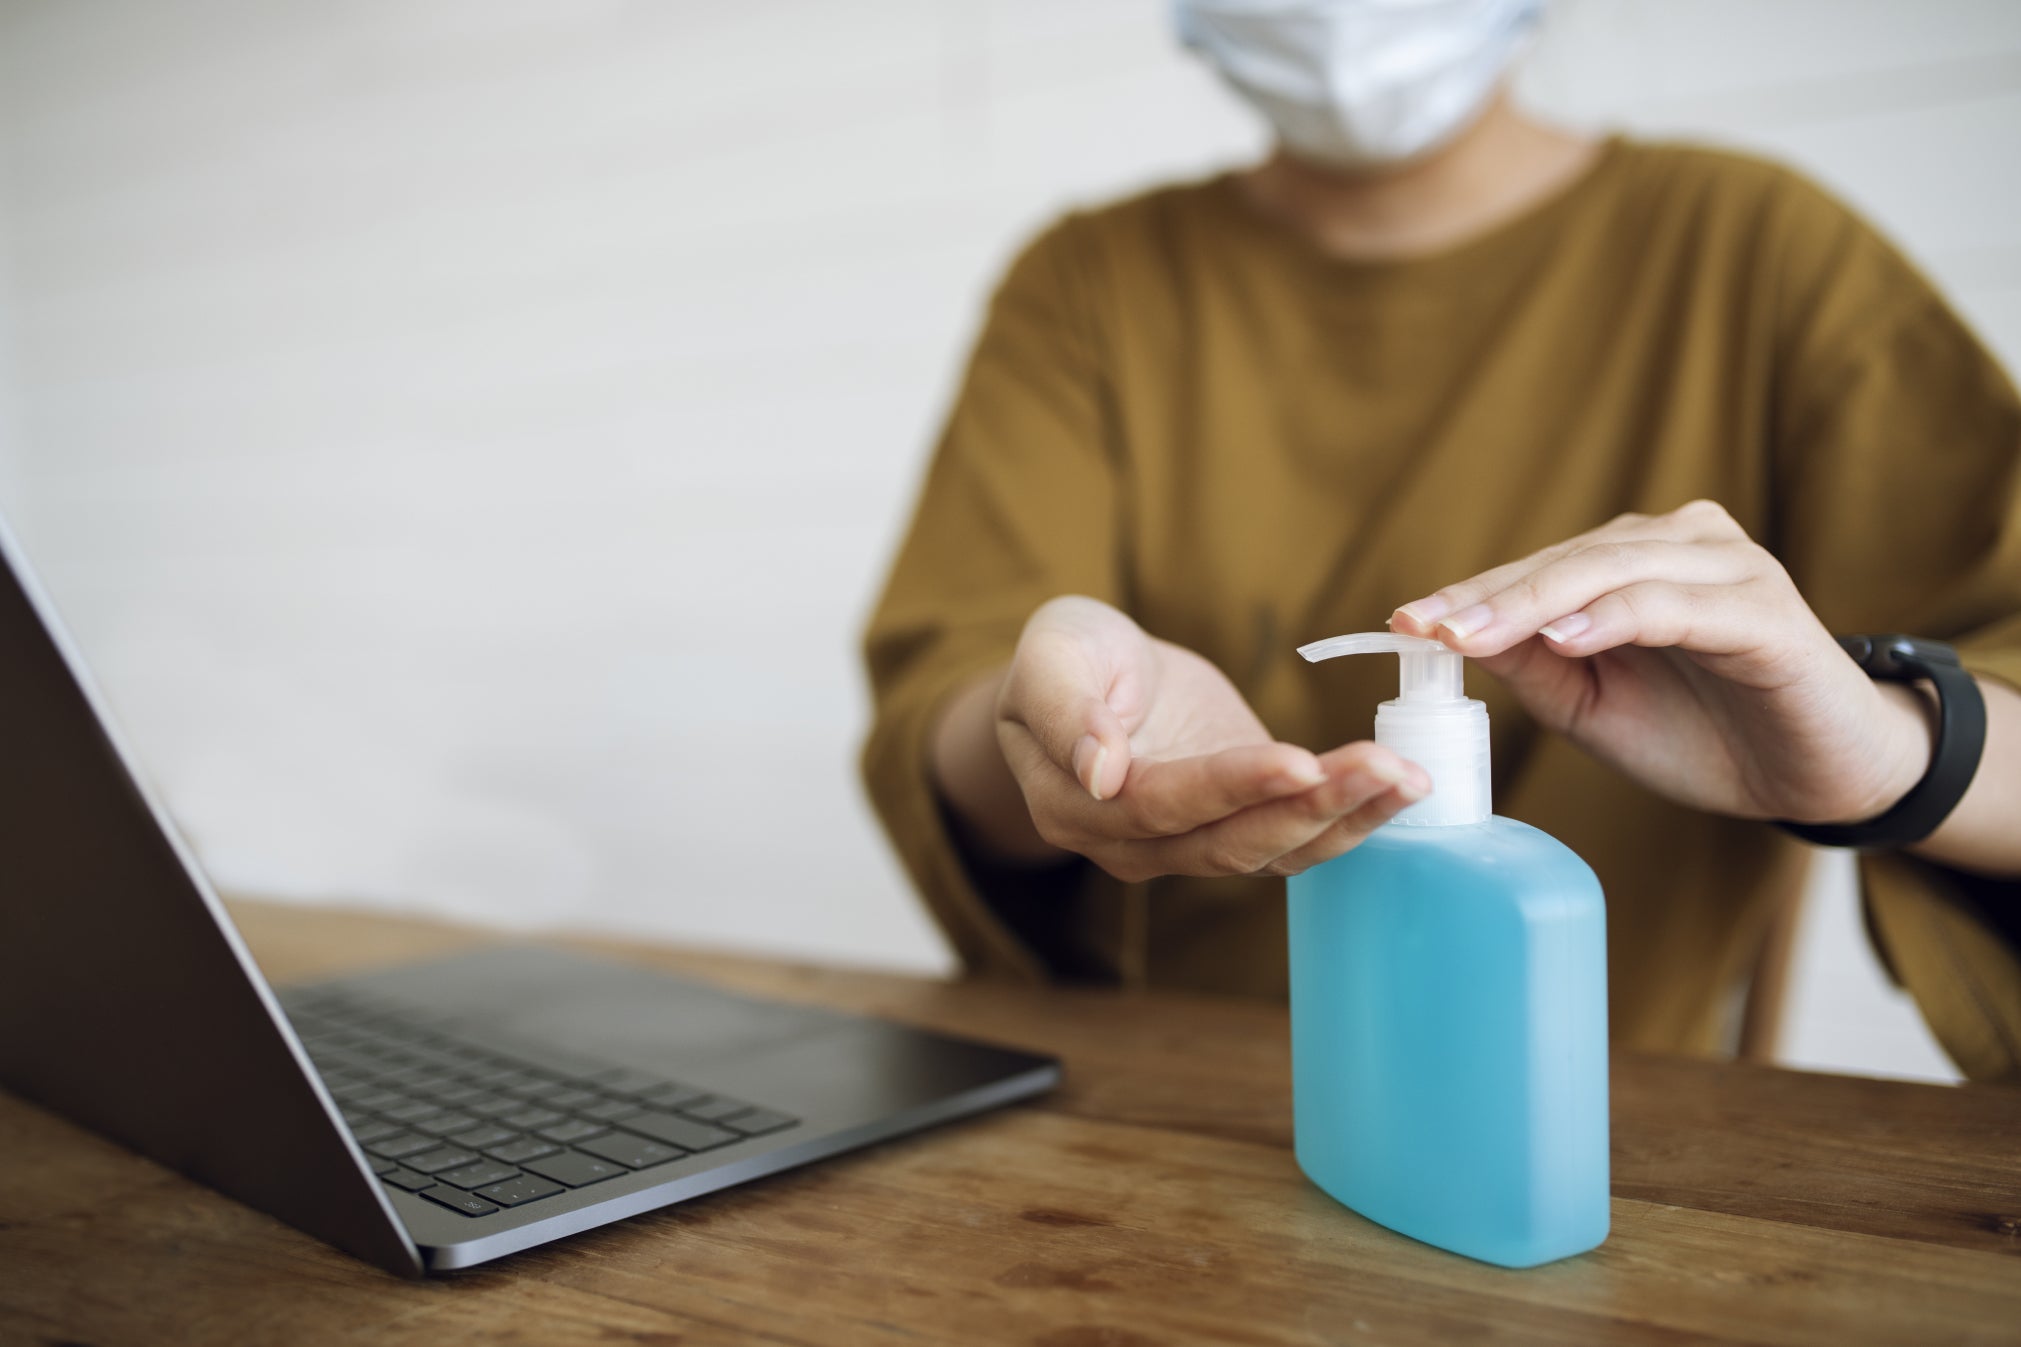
(1449,1002)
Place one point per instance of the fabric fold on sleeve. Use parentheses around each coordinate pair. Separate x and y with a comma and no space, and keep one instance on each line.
(896,775)
(1018,506)
(1901,477)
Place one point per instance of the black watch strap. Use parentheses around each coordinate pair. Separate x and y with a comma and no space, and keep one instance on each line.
(1954,758)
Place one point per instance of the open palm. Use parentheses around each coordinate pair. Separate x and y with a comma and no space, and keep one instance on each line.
(1142,756)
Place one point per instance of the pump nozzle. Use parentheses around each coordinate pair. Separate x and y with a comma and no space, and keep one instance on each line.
(1432,722)
(1429,671)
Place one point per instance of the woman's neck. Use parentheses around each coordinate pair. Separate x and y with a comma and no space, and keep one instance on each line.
(1495,170)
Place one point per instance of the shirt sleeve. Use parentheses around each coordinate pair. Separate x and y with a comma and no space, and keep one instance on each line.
(1019,505)
(1898,471)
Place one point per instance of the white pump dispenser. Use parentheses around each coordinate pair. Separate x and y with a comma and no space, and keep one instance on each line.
(1432,722)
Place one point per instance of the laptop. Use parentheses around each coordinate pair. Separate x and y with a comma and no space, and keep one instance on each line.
(422,1118)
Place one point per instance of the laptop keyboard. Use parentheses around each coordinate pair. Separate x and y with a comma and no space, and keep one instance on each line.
(478,1131)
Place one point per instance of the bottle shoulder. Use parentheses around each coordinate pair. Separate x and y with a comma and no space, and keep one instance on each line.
(1497,852)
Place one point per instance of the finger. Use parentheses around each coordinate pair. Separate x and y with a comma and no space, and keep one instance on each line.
(1057,694)
(1700,520)
(1420,617)
(1163,799)
(1249,841)
(1705,619)
(1346,832)
(1494,621)
(1101,761)
(1694,521)
(1159,799)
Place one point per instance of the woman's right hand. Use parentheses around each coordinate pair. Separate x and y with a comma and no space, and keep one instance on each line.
(1141,755)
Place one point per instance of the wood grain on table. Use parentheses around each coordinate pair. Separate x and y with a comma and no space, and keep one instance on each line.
(1152,1199)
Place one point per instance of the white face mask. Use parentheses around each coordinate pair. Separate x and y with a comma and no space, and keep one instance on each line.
(1358,84)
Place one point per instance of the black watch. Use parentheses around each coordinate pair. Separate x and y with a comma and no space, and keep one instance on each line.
(1954,758)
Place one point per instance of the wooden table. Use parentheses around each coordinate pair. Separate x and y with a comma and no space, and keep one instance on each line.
(1151,1200)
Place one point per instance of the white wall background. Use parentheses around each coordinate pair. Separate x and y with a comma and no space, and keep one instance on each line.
(465,434)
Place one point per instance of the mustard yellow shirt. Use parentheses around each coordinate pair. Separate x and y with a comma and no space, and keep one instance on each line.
(1181,408)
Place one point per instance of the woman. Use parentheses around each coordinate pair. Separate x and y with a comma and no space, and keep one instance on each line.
(1637,427)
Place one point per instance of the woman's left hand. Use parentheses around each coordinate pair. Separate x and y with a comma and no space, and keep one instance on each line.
(1677,649)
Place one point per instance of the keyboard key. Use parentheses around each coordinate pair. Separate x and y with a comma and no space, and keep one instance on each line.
(470,1204)
(482,1137)
(573,1130)
(343,1054)
(621,1080)
(408,1179)
(491,1077)
(571,1098)
(712,1110)
(400,1145)
(521,1083)
(409,1111)
(444,1157)
(456,1096)
(575,1169)
(379,1100)
(477,1175)
(384,1167)
(520,1151)
(674,1096)
(635,1152)
(611,1110)
(408,1075)
(442,1124)
(525,1188)
(445,1062)
(678,1131)
(492,1105)
(754,1122)
(375,1130)
(527,1119)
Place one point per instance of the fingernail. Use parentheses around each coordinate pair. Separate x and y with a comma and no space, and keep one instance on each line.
(1425,611)
(1088,764)
(1565,628)
(1468,620)
(1095,772)
(1412,792)
(1307,772)
(1388,771)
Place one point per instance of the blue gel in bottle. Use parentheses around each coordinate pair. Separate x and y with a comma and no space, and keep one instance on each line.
(1449,1003)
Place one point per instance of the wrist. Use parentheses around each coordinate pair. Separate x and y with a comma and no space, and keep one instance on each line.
(1910,717)
(1956,745)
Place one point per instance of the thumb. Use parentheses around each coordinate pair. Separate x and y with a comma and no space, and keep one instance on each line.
(1101,757)
(1072,655)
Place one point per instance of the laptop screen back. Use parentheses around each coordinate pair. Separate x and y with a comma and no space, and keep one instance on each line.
(127,1001)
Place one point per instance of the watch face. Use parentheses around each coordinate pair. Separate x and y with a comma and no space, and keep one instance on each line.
(1904,656)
